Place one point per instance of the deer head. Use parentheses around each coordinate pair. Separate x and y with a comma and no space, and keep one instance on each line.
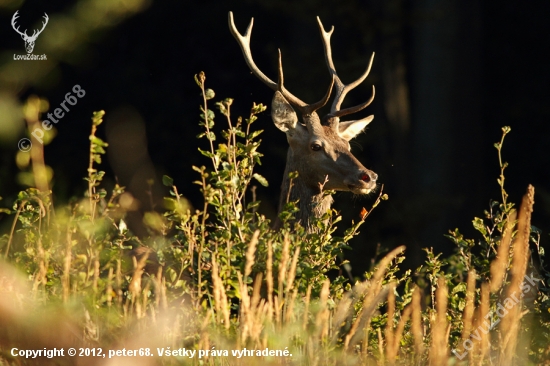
(319,148)
(29,41)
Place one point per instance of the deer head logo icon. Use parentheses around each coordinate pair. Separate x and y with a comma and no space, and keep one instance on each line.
(29,40)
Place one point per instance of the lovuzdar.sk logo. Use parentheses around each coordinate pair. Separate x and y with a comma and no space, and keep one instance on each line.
(29,40)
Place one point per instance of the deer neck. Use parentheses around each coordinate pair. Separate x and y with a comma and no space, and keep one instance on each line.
(311,201)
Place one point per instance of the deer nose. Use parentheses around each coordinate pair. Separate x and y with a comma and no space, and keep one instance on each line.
(368,176)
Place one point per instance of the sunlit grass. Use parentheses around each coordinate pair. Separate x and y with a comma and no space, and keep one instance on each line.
(219,286)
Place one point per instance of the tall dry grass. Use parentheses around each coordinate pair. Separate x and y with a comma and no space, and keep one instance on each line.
(330,331)
(106,298)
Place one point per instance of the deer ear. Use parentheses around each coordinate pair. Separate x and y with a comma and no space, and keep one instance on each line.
(282,113)
(348,130)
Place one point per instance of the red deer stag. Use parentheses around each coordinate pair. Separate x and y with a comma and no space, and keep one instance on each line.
(319,148)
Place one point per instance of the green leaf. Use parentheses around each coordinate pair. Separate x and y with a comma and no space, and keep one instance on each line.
(210,114)
(250,206)
(167,181)
(97,141)
(200,78)
(254,134)
(479,225)
(261,179)
(208,154)
(97,117)
(461,287)
(209,94)
(98,149)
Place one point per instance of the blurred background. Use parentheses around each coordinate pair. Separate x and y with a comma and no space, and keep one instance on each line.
(448,76)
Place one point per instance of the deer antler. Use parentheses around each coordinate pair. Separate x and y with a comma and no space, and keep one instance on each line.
(13,19)
(244,42)
(24,34)
(341,89)
(43,26)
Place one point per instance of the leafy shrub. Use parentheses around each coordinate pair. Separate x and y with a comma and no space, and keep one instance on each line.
(219,278)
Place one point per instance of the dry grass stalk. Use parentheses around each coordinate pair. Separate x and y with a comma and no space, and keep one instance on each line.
(390,314)
(277,310)
(289,304)
(405,316)
(244,309)
(282,276)
(439,347)
(306,307)
(248,305)
(224,305)
(28,324)
(481,347)
(157,281)
(292,271)
(204,341)
(510,324)
(135,282)
(253,311)
(145,297)
(66,277)
(12,231)
(323,314)
(468,312)
(500,264)
(381,360)
(163,299)
(416,323)
(96,272)
(109,288)
(219,292)
(257,312)
(40,277)
(258,324)
(393,337)
(342,313)
(256,291)
(118,282)
(269,279)
(250,253)
(372,296)
(363,320)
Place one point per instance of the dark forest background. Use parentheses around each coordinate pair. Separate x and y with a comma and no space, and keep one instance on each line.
(448,76)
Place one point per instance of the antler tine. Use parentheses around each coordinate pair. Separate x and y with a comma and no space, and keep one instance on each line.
(341,89)
(306,108)
(44,23)
(36,33)
(244,42)
(13,20)
(355,109)
(322,102)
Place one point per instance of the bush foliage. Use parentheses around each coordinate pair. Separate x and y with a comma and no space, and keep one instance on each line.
(218,280)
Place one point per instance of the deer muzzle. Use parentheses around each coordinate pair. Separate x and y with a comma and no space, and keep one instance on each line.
(363,183)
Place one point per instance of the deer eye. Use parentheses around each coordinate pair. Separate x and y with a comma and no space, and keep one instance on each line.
(315,146)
